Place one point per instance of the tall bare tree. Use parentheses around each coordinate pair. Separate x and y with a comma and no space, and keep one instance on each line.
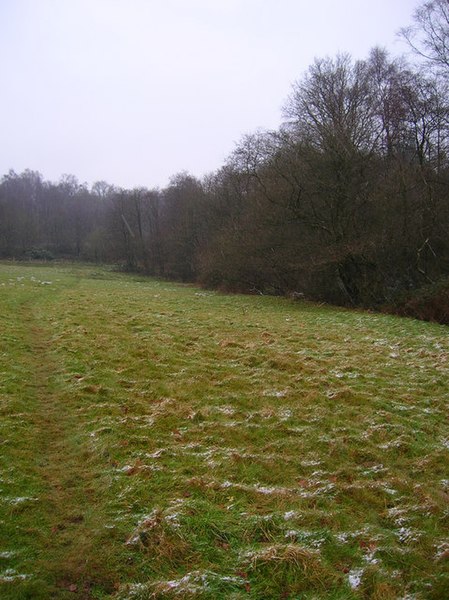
(429,35)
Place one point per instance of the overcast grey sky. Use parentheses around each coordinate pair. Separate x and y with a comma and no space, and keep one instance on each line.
(134,91)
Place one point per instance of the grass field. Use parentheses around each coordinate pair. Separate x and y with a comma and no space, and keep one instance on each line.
(161,441)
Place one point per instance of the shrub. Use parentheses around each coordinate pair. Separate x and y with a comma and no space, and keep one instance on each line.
(39,254)
(430,303)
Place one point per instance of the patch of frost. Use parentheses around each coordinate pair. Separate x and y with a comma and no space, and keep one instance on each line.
(406,535)
(355,578)
(292,533)
(224,410)
(374,469)
(390,490)
(310,463)
(442,550)
(369,558)
(291,514)
(20,500)
(285,414)
(11,575)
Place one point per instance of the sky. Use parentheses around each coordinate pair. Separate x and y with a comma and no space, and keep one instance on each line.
(134,91)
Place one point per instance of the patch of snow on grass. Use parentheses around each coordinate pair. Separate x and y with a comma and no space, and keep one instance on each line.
(338,374)
(285,414)
(193,583)
(310,463)
(370,558)
(389,490)
(407,535)
(275,490)
(291,514)
(308,538)
(355,578)
(398,516)
(260,489)
(19,500)
(11,575)
(442,551)
(374,469)
(273,394)
(292,533)
(225,410)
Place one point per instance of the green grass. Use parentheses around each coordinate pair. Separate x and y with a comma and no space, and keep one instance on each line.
(160,441)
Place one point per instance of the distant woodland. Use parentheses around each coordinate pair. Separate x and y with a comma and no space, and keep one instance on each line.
(348,202)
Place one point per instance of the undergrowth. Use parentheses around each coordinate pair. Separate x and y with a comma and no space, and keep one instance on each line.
(429,303)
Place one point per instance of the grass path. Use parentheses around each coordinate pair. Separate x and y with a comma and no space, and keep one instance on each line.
(58,538)
(158,441)
(67,469)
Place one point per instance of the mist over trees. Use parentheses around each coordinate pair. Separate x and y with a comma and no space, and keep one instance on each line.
(348,202)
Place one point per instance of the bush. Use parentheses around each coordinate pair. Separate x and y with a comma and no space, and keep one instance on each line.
(39,254)
(429,303)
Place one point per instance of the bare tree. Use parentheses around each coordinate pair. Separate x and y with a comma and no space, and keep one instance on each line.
(182,224)
(332,106)
(429,35)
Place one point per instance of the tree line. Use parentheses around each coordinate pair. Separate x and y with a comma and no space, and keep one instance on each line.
(347,202)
